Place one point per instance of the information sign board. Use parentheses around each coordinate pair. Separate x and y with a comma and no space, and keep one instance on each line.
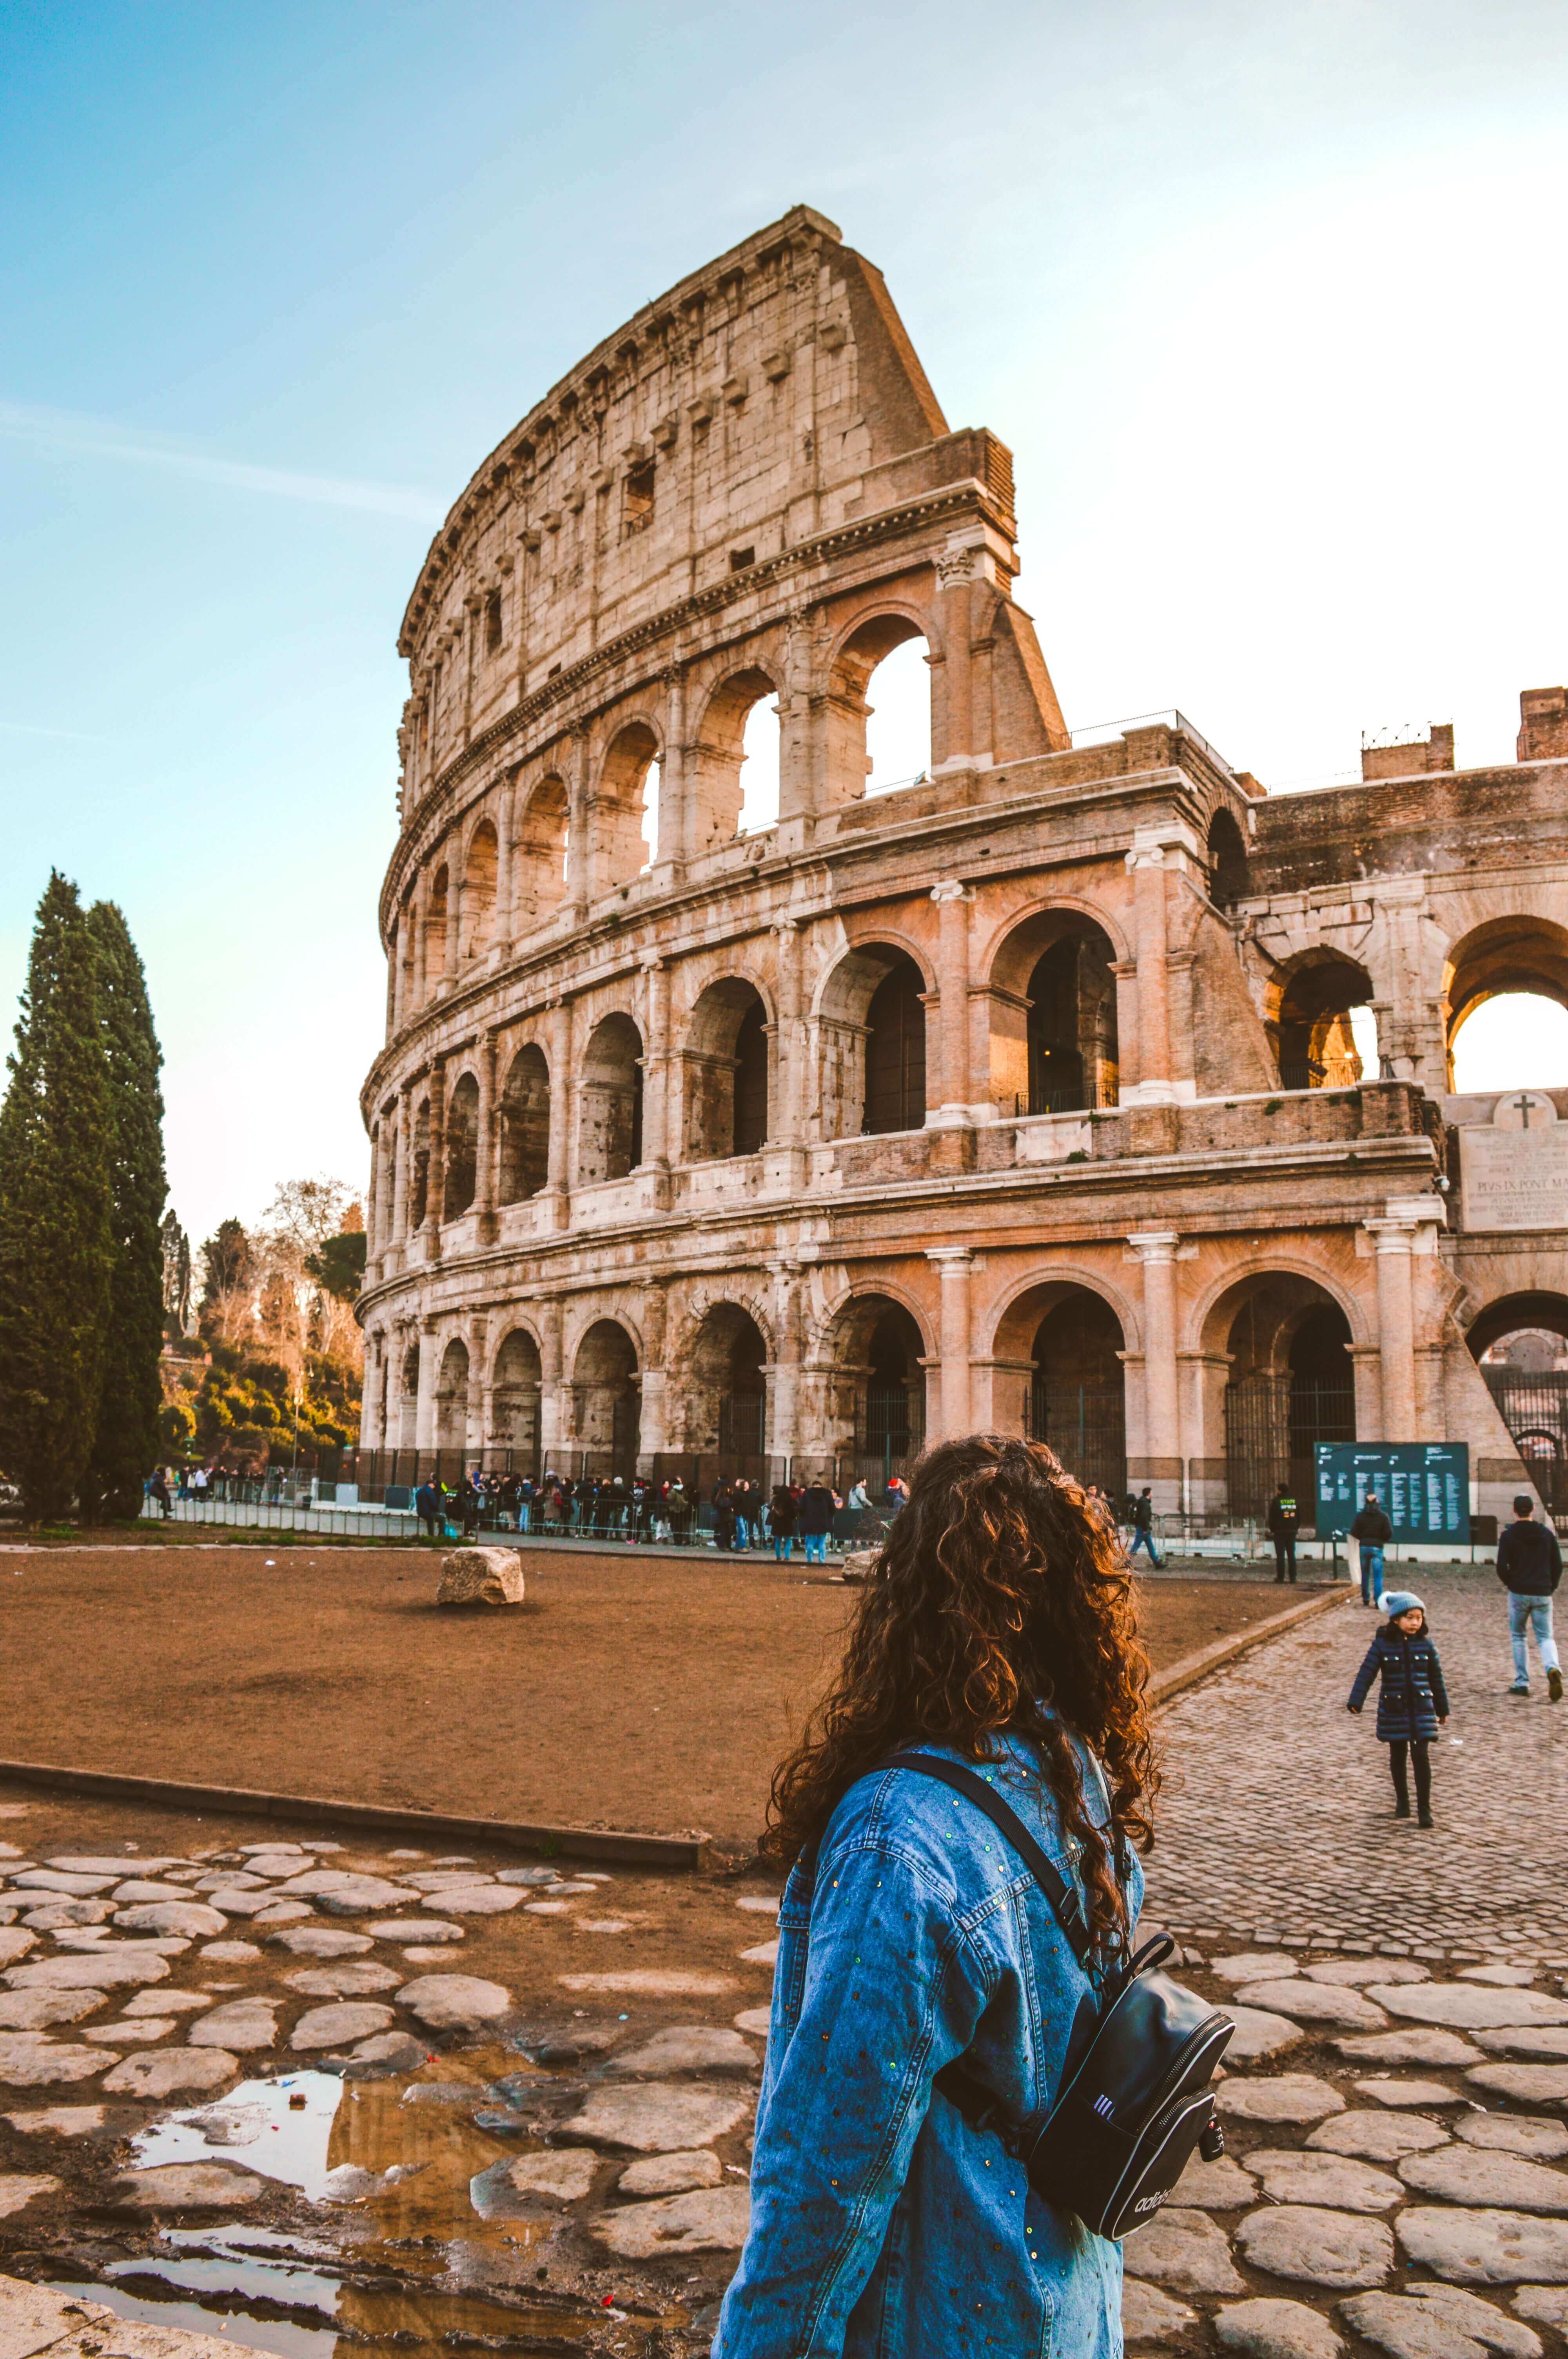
(1422,1487)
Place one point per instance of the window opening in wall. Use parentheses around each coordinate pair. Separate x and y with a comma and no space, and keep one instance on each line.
(898,723)
(1317,1048)
(895,1052)
(760,768)
(726,1391)
(525,1126)
(1516,1042)
(463,1148)
(891,1426)
(609,1100)
(740,559)
(1072,1035)
(751,1081)
(1227,861)
(1292,1387)
(493,623)
(637,514)
(653,784)
(725,1073)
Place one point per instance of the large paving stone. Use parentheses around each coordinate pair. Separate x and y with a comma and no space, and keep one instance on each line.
(56,1879)
(1185,2250)
(189,2187)
(1528,2134)
(656,2117)
(1336,2180)
(1283,2097)
(127,1864)
(1467,2174)
(67,1916)
(481,1576)
(1259,2034)
(354,1978)
(1482,2320)
(1413,2047)
(35,2011)
(565,2175)
(334,2026)
(234,1900)
(1255,1966)
(141,1887)
(144,2034)
(1407,2327)
(1547,2304)
(243,2025)
(1309,2002)
(1376,2137)
(1527,2084)
(476,1899)
(1339,2249)
(324,1940)
(19,2189)
(1221,2186)
(359,1895)
(671,2174)
(712,2220)
(1549,2041)
(30,2059)
(427,1933)
(1467,2006)
(166,2001)
(1476,2248)
(451,2002)
(191,1918)
(1275,2329)
(1506,1977)
(689,2047)
(57,2121)
(1408,2092)
(651,1982)
(171,2073)
(1353,1973)
(1150,2316)
(103,1968)
(16,1940)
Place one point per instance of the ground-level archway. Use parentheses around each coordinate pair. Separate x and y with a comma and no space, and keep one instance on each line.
(1059,1378)
(452,1399)
(515,1404)
(1520,1342)
(725,1389)
(878,1401)
(1288,1384)
(606,1400)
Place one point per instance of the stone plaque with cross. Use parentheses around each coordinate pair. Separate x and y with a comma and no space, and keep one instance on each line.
(1514,1168)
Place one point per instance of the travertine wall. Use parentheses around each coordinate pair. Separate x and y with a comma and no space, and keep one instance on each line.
(749,494)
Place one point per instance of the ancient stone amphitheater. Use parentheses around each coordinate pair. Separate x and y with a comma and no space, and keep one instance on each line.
(1026,1094)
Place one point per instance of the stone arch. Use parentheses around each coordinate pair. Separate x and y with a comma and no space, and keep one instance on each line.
(525,1118)
(452,1397)
(1307,1009)
(419,1166)
(1205,1325)
(1528,1384)
(605,1392)
(1229,873)
(609,1100)
(725,1091)
(1014,1308)
(1058,1373)
(617,850)
(1278,1376)
(540,854)
(872,1345)
(482,870)
(723,1387)
(1054,1041)
(434,961)
(712,768)
(1510,1314)
(861,647)
(1514,953)
(871,1049)
(516,1387)
(462,1144)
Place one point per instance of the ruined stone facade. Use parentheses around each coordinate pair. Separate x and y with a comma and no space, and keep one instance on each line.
(1022,1096)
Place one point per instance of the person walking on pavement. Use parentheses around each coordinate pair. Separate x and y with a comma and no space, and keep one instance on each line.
(1373,1532)
(1285,1521)
(1412,1703)
(1143,1527)
(1530,1566)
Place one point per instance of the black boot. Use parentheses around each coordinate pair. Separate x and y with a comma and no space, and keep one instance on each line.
(1424,1819)
(1402,1806)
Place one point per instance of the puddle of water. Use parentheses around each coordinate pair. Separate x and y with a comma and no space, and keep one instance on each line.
(276,2335)
(280,2128)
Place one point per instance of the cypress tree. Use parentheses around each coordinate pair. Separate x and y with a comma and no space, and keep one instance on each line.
(55,1205)
(125,1443)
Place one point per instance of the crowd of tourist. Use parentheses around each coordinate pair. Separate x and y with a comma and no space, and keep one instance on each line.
(738,1515)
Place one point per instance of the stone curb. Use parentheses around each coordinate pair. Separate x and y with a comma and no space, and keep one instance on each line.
(667,1852)
(1194,1667)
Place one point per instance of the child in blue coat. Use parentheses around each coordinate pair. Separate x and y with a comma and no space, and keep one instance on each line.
(1412,1704)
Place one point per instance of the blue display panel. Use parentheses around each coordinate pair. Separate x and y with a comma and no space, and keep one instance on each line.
(1422,1487)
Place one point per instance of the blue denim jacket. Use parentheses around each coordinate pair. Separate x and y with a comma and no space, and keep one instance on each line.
(883,2227)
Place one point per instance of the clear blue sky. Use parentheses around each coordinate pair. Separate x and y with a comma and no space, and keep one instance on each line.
(1267,299)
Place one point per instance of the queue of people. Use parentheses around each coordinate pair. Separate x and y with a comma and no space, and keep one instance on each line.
(742,1516)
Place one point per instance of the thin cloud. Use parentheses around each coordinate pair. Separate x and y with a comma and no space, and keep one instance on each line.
(100,438)
(32,729)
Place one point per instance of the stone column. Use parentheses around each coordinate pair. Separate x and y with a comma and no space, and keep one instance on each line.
(953,1265)
(563,1099)
(786,1103)
(506,877)
(1129,1068)
(372,1200)
(672,847)
(784,1376)
(436,1169)
(1156,1249)
(1397,1234)
(402,1148)
(476,1431)
(658,1113)
(578,825)
(418,947)
(453,963)
(953,901)
(424,1402)
(554,1424)
(488,1132)
(654,1423)
(1147,863)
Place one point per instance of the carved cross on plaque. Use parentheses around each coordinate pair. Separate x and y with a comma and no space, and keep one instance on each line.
(1524,1104)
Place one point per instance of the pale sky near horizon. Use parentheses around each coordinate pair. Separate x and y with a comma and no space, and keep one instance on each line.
(1266,299)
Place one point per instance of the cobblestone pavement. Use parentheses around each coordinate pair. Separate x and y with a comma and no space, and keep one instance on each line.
(1277,1824)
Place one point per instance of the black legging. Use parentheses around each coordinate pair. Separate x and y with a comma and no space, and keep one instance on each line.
(1418,1746)
(1284,1556)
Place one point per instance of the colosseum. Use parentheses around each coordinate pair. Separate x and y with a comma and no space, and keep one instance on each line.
(1026,1094)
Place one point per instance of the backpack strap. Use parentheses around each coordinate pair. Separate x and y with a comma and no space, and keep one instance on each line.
(1065,1905)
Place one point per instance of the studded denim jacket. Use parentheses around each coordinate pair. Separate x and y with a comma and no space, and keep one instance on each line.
(883,2226)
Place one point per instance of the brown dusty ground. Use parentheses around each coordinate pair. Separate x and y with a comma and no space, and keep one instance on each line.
(650,1693)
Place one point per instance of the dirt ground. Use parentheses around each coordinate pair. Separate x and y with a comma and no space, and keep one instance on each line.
(648,1694)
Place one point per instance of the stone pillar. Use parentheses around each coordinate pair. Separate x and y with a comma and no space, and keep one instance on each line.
(554,1424)
(955,577)
(1407,1226)
(476,1429)
(578,825)
(489,1133)
(1156,1249)
(372,1200)
(954,1264)
(436,1169)
(1129,1067)
(506,867)
(787,1100)
(784,1377)
(424,1400)
(658,1113)
(654,1423)
(1153,1085)
(953,901)
(563,1099)
(672,820)
(403,1149)
(1179,967)
(419,946)
(454,959)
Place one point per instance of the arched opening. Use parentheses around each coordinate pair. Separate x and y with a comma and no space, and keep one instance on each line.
(619,817)
(610,1119)
(726,1073)
(1507,993)
(452,1399)
(605,1395)
(541,854)
(1076,1393)
(1520,1343)
(514,1414)
(525,1126)
(407,1399)
(871,1044)
(479,893)
(731,772)
(407,959)
(1226,860)
(760,768)
(880,1387)
(1290,1385)
(1070,1026)
(1315,1036)
(874,748)
(726,1392)
(419,1188)
(463,1148)
(895,1052)
(435,959)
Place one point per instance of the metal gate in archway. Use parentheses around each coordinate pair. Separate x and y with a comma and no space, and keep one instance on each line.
(1533,1405)
(1086,1425)
(1272,1427)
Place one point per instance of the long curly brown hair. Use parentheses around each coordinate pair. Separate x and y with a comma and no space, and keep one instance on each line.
(1001,1600)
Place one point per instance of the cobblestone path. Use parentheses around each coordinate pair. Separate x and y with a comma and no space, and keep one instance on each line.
(1277,1819)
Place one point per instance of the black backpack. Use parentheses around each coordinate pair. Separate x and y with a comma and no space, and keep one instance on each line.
(1135,2097)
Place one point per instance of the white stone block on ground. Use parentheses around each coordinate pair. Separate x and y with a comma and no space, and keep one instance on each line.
(1275,2329)
(1469,2174)
(1353,1973)
(1285,2097)
(481,1899)
(230,1954)
(172,2073)
(712,2220)
(1467,2006)
(354,1978)
(566,2176)
(1259,2033)
(1549,2042)
(1183,2249)
(1529,2134)
(15,1942)
(100,1970)
(651,1982)
(67,1916)
(1309,2002)
(189,2187)
(144,2034)
(325,1940)
(452,2002)
(1525,2084)
(656,2117)
(141,1887)
(243,2025)
(1408,2092)
(166,2002)
(1407,2327)
(763,1953)
(754,2019)
(672,2174)
(1255,1966)
(1150,2316)
(30,2059)
(1486,2247)
(1340,2249)
(689,2047)
(1546,2304)
(1337,2181)
(389,2047)
(336,2024)
(1376,2137)
(481,1576)
(1413,2047)
(1221,2186)
(35,2011)
(427,1929)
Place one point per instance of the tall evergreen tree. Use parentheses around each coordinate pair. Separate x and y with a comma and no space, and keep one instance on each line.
(125,1443)
(55,1213)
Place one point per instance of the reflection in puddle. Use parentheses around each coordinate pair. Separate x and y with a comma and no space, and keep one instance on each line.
(281,2128)
(278,2334)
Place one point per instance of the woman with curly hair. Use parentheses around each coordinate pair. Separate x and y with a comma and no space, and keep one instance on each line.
(996,1628)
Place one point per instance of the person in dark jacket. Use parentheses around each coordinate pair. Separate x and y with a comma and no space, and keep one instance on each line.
(1412,1703)
(1373,1531)
(1285,1521)
(781,1521)
(1530,1566)
(428,1505)
(814,1519)
(1143,1527)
